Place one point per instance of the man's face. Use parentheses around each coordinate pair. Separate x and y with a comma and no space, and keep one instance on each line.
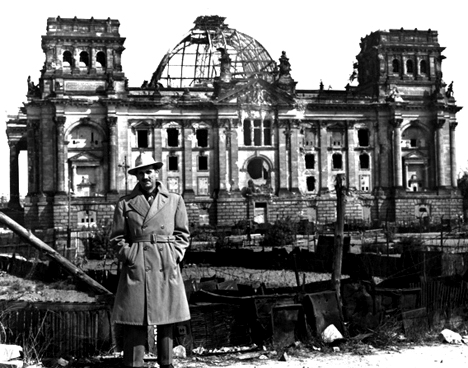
(147,177)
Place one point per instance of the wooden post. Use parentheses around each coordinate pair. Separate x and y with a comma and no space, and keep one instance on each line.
(338,244)
(52,253)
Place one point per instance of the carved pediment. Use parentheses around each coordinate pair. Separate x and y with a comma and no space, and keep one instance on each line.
(256,92)
(85,159)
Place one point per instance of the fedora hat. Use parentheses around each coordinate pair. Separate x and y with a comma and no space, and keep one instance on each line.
(143,160)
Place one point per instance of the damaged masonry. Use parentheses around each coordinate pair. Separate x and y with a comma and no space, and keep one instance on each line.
(256,161)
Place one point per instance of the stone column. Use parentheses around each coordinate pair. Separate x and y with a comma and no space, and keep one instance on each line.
(398,174)
(59,124)
(14,202)
(234,156)
(283,142)
(112,126)
(187,165)
(440,149)
(157,139)
(323,162)
(294,157)
(221,159)
(351,156)
(33,155)
(453,156)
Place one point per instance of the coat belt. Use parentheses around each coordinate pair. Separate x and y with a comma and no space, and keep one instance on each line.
(154,238)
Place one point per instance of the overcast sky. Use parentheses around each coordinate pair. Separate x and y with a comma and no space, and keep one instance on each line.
(321,40)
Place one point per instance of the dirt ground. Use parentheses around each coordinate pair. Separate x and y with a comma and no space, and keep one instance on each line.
(434,355)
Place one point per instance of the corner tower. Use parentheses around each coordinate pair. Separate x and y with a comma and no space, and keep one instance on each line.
(408,60)
(82,56)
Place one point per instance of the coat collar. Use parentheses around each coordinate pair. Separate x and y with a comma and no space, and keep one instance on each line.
(136,199)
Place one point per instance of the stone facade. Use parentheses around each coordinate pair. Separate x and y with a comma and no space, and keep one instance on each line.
(240,143)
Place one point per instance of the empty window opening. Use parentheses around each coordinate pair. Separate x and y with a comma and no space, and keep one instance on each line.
(202,163)
(67,59)
(396,66)
(413,142)
(363,137)
(310,161)
(173,163)
(142,139)
(423,67)
(409,67)
(266,132)
(247,133)
(172,137)
(364,161)
(258,169)
(337,161)
(257,131)
(202,137)
(101,59)
(310,180)
(84,58)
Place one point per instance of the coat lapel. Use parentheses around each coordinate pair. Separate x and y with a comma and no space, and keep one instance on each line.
(138,202)
(159,202)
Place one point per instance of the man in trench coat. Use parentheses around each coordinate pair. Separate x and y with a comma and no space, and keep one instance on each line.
(150,232)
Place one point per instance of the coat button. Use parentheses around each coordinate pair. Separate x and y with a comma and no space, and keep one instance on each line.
(147,269)
(162,226)
(145,248)
(144,227)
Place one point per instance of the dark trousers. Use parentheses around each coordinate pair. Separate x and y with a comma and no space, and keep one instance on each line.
(135,342)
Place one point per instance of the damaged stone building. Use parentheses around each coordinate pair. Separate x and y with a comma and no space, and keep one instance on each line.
(236,137)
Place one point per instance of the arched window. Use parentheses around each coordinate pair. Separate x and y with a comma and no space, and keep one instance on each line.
(396,66)
(423,67)
(258,169)
(337,161)
(364,161)
(67,59)
(101,59)
(409,67)
(84,58)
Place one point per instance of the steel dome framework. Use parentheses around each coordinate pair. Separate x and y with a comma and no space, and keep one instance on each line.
(195,61)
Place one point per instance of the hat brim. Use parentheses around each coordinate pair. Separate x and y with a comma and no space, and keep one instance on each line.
(156,165)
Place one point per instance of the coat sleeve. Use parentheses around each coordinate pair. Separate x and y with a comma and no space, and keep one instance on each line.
(118,232)
(181,230)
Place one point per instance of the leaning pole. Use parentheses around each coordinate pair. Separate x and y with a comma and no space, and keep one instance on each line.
(53,254)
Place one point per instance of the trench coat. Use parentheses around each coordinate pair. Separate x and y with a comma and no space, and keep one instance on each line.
(151,242)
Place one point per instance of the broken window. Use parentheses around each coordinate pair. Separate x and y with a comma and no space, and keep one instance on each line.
(202,163)
(423,67)
(257,131)
(363,137)
(396,66)
(337,161)
(364,161)
(309,161)
(101,59)
(142,139)
(202,137)
(409,67)
(84,58)
(258,169)
(173,163)
(67,59)
(310,180)
(172,137)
